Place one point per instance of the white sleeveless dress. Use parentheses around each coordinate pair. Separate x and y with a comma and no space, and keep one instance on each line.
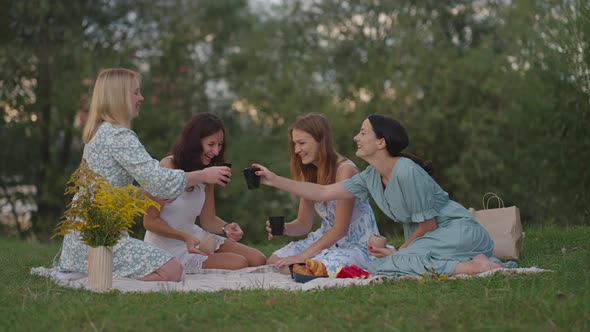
(181,215)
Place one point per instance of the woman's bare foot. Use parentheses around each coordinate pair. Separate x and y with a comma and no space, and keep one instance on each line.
(481,263)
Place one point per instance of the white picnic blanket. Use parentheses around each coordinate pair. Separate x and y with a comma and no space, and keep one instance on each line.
(262,277)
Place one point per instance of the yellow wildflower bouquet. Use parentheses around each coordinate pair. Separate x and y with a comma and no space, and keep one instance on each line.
(101,212)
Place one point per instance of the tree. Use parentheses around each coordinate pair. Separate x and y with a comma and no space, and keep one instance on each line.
(50,48)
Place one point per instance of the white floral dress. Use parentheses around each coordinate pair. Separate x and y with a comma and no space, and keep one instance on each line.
(117,154)
(351,249)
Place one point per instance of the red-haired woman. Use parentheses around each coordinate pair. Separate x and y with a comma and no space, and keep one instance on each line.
(173,228)
(346,224)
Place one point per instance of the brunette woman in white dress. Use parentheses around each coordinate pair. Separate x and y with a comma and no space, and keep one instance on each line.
(173,228)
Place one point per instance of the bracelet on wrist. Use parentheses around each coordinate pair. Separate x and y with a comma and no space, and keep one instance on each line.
(223,227)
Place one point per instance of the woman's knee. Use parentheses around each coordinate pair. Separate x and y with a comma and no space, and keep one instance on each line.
(238,262)
(272,259)
(226,261)
(256,259)
(171,270)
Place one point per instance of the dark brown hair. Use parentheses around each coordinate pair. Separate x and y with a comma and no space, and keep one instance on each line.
(187,151)
(396,139)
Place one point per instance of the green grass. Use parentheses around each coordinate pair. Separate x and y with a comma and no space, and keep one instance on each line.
(557,301)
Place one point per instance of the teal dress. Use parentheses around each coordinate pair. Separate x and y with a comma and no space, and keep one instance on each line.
(411,197)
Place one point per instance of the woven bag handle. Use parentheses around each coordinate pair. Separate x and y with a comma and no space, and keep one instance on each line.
(485,200)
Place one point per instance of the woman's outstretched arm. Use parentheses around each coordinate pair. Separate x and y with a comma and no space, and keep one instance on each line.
(307,190)
(219,175)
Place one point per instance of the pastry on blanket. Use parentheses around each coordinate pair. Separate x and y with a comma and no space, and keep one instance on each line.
(316,267)
(302,269)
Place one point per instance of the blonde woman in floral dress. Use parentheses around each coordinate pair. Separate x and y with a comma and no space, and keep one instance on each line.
(114,151)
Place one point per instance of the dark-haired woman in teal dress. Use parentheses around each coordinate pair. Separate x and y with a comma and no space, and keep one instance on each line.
(440,234)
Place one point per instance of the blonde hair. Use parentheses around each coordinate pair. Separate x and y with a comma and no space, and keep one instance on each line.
(318,127)
(111,100)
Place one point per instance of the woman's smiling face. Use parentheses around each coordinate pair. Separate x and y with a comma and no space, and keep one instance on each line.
(136,99)
(366,140)
(212,145)
(305,146)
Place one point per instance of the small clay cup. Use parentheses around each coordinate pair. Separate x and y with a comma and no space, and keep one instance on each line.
(208,244)
(377,241)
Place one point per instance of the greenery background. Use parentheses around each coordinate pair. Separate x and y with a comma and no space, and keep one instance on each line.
(496,93)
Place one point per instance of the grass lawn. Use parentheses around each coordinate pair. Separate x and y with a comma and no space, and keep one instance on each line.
(556,301)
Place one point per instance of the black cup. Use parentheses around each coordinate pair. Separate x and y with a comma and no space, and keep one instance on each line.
(252,180)
(277,225)
(223,164)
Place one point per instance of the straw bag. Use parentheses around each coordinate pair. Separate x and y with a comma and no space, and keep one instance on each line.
(504,226)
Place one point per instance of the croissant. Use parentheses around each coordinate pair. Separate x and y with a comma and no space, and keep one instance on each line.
(302,269)
(317,268)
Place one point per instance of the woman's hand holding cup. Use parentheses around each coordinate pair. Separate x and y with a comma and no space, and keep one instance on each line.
(266,176)
(219,175)
(275,226)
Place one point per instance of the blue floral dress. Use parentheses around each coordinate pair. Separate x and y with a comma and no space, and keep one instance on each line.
(411,197)
(117,154)
(351,249)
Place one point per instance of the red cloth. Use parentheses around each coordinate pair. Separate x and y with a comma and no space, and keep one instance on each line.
(353,271)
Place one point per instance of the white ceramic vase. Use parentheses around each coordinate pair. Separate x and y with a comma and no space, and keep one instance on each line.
(100,268)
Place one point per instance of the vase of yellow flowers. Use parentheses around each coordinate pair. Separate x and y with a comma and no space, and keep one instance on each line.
(101,213)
